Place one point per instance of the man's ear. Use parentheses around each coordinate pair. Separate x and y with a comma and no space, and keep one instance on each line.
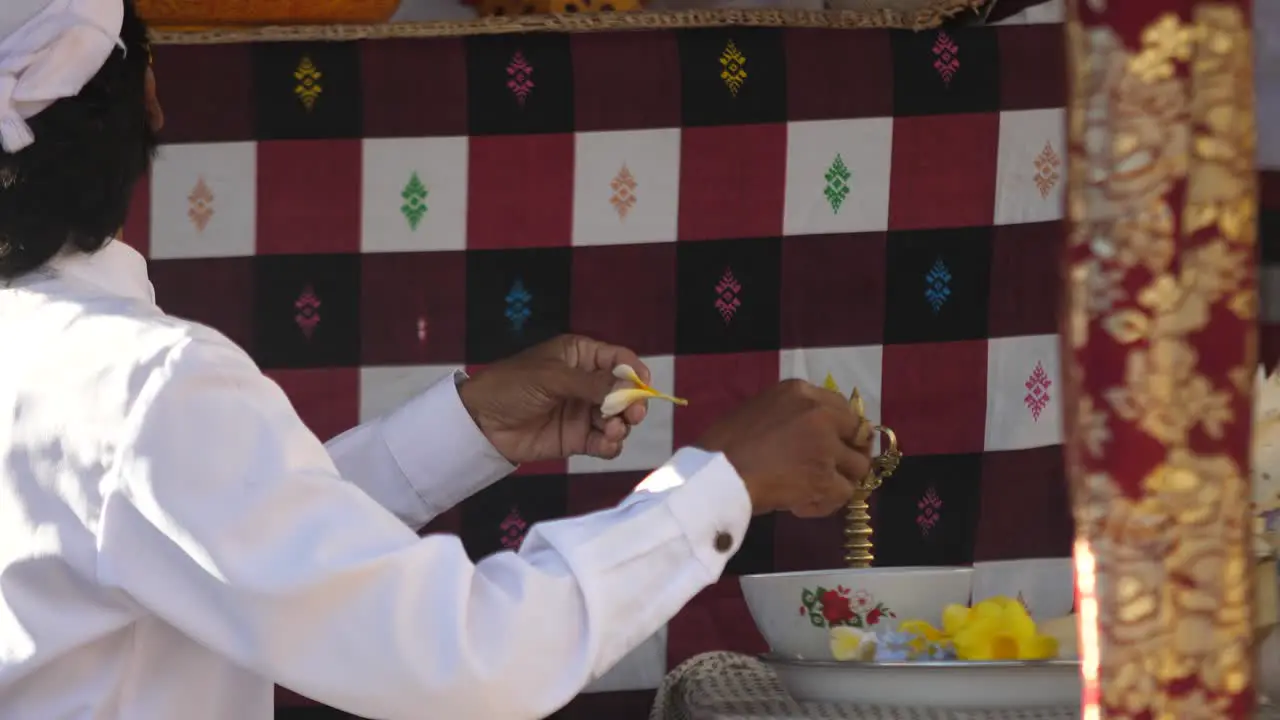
(155,113)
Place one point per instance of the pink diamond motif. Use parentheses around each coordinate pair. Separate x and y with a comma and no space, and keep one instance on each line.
(1037,398)
(727,301)
(947,61)
(930,507)
(520,80)
(308,311)
(513,529)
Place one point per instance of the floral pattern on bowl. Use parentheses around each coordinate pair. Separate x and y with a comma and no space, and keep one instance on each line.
(842,607)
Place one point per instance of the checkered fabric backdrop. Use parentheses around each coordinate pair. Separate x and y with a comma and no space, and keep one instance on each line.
(737,205)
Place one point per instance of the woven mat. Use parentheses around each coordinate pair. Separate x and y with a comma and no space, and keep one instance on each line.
(729,686)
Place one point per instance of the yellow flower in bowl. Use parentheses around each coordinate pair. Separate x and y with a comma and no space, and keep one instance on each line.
(997,628)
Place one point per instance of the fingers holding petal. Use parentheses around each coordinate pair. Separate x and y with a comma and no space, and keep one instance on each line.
(598,445)
(607,357)
(615,430)
(635,414)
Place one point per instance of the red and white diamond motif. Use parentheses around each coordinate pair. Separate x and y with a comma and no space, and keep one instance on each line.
(512,530)
(947,61)
(930,507)
(727,290)
(308,315)
(1037,398)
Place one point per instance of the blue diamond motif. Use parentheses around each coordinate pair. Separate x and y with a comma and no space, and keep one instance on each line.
(518,301)
(937,285)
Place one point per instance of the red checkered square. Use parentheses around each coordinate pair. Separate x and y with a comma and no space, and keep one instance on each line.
(327,399)
(590,493)
(807,543)
(934,396)
(308,197)
(207,92)
(826,95)
(1037,84)
(401,99)
(626,294)
(412,308)
(715,620)
(448,522)
(520,191)
(732,181)
(715,385)
(137,224)
(944,171)
(1014,483)
(218,292)
(1025,288)
(818,269)
(647,99)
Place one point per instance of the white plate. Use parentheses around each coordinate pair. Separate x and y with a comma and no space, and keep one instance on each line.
(932,684)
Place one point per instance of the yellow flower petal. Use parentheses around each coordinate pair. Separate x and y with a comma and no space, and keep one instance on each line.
(626,372)
(1038,647)
(954,617)
(619,400)
(921,628)
(852,644)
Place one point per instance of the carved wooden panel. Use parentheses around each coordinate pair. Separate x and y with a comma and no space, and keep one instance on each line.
(169,13)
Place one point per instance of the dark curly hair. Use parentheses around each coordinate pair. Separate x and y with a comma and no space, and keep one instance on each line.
(71,188)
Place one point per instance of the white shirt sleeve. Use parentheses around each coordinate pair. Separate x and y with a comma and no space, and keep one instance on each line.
(224,517)
(422,459)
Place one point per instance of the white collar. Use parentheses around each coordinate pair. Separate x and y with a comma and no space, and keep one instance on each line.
(117,269)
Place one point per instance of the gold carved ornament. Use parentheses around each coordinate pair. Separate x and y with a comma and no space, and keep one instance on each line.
(857,531)
(171,13)
(1160,340)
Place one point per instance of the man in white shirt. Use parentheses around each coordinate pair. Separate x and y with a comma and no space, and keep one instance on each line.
(173,539)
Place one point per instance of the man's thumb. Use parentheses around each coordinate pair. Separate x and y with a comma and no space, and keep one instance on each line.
(574,384)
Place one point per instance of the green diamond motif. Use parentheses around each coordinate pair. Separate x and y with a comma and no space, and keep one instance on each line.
(415,201)
(837,188)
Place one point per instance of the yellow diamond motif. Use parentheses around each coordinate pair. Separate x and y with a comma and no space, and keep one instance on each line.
(734,72)
(308,88)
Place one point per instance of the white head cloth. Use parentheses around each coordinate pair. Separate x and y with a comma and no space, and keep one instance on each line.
(49,50)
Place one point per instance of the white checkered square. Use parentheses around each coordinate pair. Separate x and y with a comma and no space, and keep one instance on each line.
(1047,13)
(626,187)
(649,444)
(1031,172)
(836,176)
(204,201)
(1024,392)
(414,195)
(841,368)
(383,389)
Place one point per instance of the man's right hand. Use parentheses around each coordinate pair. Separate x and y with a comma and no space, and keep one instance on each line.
(798,447)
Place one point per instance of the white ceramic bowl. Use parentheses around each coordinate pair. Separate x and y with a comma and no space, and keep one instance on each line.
(794,611)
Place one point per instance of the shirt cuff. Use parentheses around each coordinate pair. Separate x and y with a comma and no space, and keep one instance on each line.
(709,501)
(441,452)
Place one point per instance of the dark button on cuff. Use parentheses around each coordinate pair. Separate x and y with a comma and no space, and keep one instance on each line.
(724,542)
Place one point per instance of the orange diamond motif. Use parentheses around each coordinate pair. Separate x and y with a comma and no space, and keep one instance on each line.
(1047,164)
(624,192)
(200,205)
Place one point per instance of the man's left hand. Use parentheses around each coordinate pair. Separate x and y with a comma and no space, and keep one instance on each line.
(544,403)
